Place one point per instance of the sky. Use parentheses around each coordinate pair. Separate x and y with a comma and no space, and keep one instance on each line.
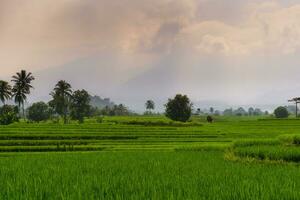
(218,52)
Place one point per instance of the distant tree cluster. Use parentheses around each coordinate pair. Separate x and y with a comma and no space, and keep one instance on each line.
(67,104)
(116,110)
(242,112)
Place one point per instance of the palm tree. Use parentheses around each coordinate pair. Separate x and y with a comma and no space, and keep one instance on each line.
(150,105)
(5,91)
(62,94)
(22,85)
(296,100)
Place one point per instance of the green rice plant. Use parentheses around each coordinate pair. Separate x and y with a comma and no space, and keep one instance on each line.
(142,175)
(139,135)
(260,152)
(63,137)
(159,123)
(255,142)
(203,147)
(290,139)
(57,148)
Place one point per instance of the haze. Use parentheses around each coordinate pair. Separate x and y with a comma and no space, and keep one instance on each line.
(233,52)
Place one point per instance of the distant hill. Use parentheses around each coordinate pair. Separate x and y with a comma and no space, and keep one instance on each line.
(98,102)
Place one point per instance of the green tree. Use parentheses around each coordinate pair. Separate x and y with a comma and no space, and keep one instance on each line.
(119,110)
(39,112)
(22,86)
(8,114)
(251,111)
(116,110)
(179,108)
(281,112)
(228,112)
(62,94)
(150,105)
(5,91)
(80,105)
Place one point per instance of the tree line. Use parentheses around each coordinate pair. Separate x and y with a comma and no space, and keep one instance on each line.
(65,103)
(68,104)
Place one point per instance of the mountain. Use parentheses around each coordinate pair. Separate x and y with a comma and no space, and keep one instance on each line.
(98,102)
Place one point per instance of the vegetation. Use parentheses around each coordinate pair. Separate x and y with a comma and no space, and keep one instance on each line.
(38,112)
(8,114)
(143,175)
(150,106)
(151,132)
(281,112)
(209,119)
(185,160)
(110,149)
(80,105)
(116,110)
(5,91)
(62,95)
(179,108)
(22,86)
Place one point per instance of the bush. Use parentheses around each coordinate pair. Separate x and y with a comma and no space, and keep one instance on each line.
(290,139)
(55,119)
(281,112)
(39,112)
(99,119)
(8,114)
(179,108)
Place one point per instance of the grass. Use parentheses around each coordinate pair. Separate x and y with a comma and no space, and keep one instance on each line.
(275,153)
(143,175)
(284,148)
(151,158)
(255,142)
(290,139)
(137,132)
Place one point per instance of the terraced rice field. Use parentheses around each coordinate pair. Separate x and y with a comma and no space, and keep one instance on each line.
(151,158)
(117,134)
(108,136)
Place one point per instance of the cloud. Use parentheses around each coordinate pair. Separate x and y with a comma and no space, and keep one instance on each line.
(38,31)
(200,41)
(269,29)
(42,34)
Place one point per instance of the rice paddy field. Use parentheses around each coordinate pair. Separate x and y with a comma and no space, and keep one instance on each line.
(151,158)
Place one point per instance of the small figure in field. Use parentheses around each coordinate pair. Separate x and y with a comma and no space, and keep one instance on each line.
(209,119)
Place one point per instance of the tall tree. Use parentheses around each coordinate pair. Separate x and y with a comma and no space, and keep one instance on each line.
(22,86)
(62,94)
(80,105)
(296,100)
(150,105)
(179,108)
(5,91)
